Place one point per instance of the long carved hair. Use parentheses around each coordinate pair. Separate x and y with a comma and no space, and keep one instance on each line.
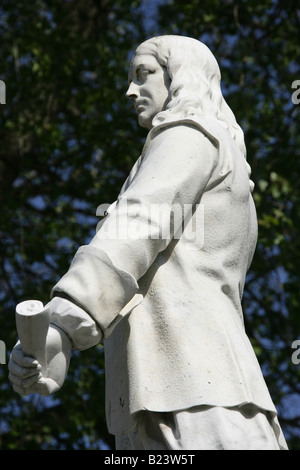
(195,89)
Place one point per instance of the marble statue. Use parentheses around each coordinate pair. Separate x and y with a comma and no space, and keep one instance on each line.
(180,370)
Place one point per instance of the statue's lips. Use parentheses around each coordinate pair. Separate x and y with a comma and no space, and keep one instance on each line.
(139,107)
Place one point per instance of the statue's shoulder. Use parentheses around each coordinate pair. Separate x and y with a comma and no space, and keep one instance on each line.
(180,125)
(187,132)
(182,138)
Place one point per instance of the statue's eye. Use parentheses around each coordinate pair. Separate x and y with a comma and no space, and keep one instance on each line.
(142,73)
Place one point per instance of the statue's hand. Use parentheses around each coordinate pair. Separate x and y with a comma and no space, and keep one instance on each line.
(25,371)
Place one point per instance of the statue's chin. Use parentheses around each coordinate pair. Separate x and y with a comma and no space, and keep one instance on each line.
(145,122)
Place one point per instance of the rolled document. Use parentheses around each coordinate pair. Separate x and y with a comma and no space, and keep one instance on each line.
(32,320)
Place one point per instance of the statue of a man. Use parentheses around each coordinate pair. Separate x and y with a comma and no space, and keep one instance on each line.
(180,370)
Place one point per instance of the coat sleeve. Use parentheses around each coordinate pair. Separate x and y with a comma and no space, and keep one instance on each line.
(177,164)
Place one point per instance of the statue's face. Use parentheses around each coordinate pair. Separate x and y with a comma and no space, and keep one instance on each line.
(148,88)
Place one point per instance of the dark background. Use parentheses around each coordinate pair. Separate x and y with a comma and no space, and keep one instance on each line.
(68,138)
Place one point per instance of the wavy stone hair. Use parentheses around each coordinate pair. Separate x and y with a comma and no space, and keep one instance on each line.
(195,88)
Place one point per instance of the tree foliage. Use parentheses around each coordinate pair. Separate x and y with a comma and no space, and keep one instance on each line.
(68,140)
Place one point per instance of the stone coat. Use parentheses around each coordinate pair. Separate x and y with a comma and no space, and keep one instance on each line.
(169,307)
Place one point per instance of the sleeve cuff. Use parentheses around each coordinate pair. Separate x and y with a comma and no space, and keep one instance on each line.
(97,286)
(81,329)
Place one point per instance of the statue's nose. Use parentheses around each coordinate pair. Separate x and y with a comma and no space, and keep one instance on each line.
(132,93)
